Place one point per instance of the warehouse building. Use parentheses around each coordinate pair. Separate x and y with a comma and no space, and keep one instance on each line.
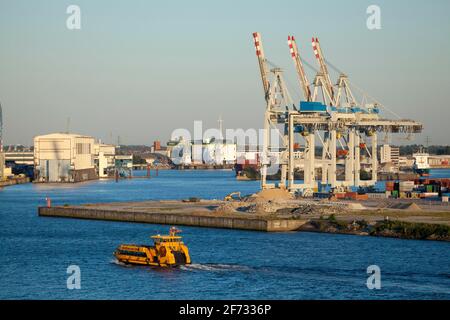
(208,151)
(62,157)
(389,157)
(219,152)
(389,154)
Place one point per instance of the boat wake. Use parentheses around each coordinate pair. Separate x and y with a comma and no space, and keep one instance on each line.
(212,267)
(117,262)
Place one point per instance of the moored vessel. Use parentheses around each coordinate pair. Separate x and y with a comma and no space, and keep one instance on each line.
(421,165)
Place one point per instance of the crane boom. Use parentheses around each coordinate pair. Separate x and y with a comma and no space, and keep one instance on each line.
(304,83)
(262,63)
(323,67)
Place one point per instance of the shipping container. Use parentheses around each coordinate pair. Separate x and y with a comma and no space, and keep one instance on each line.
(361,197)
(429,194)
(390,185)
(350,195)
(377,195)
(321,195)
(340,195)
(406,186)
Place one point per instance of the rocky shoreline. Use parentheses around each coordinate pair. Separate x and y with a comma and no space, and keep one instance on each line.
(386,228)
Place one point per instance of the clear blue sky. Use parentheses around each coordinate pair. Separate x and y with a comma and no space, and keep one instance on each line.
(140,69)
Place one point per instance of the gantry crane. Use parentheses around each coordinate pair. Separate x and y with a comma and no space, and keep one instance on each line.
(340,124)
(353,137)
(278,103)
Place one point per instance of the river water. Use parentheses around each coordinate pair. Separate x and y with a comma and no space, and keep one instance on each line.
(35,252)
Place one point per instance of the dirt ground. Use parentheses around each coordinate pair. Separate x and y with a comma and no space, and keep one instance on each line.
(280,204)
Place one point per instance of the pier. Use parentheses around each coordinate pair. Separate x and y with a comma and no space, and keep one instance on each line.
(400,219)
(198,214)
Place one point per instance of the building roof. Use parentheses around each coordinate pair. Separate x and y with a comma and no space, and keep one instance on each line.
(63,135)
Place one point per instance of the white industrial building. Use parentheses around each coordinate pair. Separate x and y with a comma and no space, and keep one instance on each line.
(62,157)
(108,163)
(405,162)
(390,157)
(389,154)
(104,159)
(211,152)
(219,152)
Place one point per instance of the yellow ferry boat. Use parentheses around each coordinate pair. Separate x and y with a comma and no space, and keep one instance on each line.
(167,251)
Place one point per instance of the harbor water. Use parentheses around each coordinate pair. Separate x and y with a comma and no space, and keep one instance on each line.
(227,264)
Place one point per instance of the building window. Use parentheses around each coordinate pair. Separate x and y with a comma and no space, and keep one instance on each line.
(83,148)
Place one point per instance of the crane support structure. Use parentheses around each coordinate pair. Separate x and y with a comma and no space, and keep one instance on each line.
(345,130)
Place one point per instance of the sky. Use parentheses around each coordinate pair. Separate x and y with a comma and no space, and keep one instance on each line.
(141,69)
